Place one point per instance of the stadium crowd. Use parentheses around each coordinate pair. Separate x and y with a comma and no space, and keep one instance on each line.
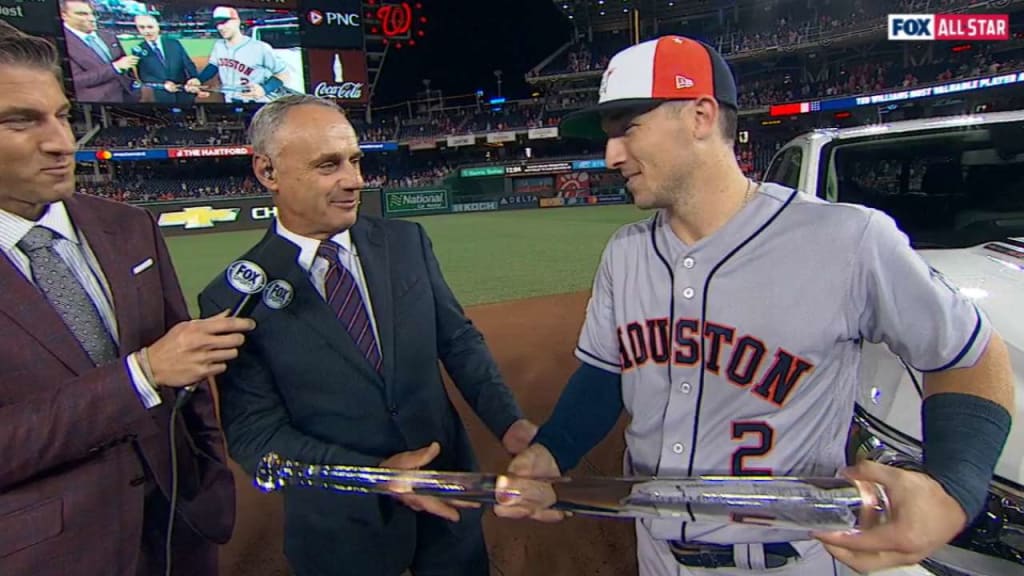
(765,24)
(770,23)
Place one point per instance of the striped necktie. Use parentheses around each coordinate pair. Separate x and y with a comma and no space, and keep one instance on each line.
(343,296)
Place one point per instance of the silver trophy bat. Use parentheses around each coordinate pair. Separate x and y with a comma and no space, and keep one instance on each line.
(802,503)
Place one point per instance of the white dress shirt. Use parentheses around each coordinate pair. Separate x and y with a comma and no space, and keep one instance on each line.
(79,257)
(316,267)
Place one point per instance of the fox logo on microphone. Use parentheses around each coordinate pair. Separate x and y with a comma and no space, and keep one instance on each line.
(278,294)
(246,277)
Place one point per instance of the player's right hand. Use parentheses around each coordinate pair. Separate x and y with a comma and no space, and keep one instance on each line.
(415,459)
(192,86)
(195,350)
(126,62)
(520,497)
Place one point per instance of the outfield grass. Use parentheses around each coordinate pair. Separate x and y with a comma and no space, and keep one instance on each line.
(486,257)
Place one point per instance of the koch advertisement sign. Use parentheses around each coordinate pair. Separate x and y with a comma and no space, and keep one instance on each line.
(339,74)
(332,24)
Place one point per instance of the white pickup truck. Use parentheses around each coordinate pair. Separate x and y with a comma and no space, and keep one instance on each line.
(955,185)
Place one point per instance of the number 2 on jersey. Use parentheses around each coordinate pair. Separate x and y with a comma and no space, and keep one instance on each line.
(764,437)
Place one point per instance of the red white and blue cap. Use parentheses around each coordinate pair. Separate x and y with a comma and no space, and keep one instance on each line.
(644,75)
(221,13)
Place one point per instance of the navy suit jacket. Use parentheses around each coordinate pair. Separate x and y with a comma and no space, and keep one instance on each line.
(301,388)
(94,79)
(177,67)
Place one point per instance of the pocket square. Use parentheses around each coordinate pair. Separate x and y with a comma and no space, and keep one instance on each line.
(142,266)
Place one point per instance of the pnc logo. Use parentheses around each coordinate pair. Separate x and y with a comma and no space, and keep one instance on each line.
(315,17)
(198,217)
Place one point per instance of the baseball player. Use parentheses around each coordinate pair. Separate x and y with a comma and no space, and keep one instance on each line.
(729,326)
(248,68)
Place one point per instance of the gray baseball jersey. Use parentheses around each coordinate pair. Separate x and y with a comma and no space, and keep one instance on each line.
(739,354)
(251,62)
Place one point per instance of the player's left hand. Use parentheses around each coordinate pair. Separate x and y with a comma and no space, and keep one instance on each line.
(922,519)
(254,92)
(518,436)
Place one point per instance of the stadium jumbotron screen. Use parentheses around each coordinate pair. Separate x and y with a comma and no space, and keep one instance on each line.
(182,52)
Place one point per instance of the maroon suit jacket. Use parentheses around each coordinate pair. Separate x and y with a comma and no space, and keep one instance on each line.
(73,437)
(95,80)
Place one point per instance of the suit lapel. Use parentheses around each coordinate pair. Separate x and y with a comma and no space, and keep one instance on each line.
(371,246)
(281,260)
(28,308)
(100,235)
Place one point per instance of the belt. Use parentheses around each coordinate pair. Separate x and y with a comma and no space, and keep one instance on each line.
(776,554)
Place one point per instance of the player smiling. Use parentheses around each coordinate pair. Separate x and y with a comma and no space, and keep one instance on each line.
(730,325)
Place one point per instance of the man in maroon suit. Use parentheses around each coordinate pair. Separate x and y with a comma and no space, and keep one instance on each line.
(100,70)
(97,342)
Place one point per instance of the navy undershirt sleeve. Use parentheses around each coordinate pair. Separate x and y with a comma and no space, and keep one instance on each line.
(585,413)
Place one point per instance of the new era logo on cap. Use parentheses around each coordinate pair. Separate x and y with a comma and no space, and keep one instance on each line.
(683,82)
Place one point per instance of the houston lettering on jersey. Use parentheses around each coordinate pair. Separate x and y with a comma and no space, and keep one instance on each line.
(235,65)
(746,360)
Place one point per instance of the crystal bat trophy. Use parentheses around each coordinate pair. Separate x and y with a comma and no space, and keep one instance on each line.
(802,503)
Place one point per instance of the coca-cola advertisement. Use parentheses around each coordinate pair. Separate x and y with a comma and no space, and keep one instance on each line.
(339,74)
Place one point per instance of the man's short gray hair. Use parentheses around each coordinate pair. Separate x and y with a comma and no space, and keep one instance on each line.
(268,119)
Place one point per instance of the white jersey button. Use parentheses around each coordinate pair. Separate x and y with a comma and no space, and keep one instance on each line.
(688,263)
(677,448)
(684,387)
(688,293)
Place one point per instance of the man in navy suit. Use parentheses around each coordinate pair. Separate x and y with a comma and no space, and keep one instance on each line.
(347,371)
(100,70)
(163,61)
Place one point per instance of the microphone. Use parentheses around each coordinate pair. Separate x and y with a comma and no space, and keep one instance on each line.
(249,279)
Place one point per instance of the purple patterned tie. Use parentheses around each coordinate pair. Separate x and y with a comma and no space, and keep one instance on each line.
(343,296)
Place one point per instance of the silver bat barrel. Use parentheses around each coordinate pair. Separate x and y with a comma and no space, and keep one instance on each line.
(801,503)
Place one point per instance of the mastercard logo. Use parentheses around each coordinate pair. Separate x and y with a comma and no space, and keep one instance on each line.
(104,155)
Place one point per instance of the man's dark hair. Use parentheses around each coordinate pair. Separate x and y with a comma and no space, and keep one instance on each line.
(20,49)
(728,121)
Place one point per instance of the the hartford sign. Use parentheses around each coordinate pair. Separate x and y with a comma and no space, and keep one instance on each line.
(976,27)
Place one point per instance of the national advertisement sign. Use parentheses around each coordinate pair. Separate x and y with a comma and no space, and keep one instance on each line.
(415,202)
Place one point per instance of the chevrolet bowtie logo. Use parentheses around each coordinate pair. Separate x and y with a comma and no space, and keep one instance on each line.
(199,217)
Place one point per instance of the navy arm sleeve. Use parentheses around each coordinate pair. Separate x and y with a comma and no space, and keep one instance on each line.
(585,413)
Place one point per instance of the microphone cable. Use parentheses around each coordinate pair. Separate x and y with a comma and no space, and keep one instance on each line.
(248,278)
